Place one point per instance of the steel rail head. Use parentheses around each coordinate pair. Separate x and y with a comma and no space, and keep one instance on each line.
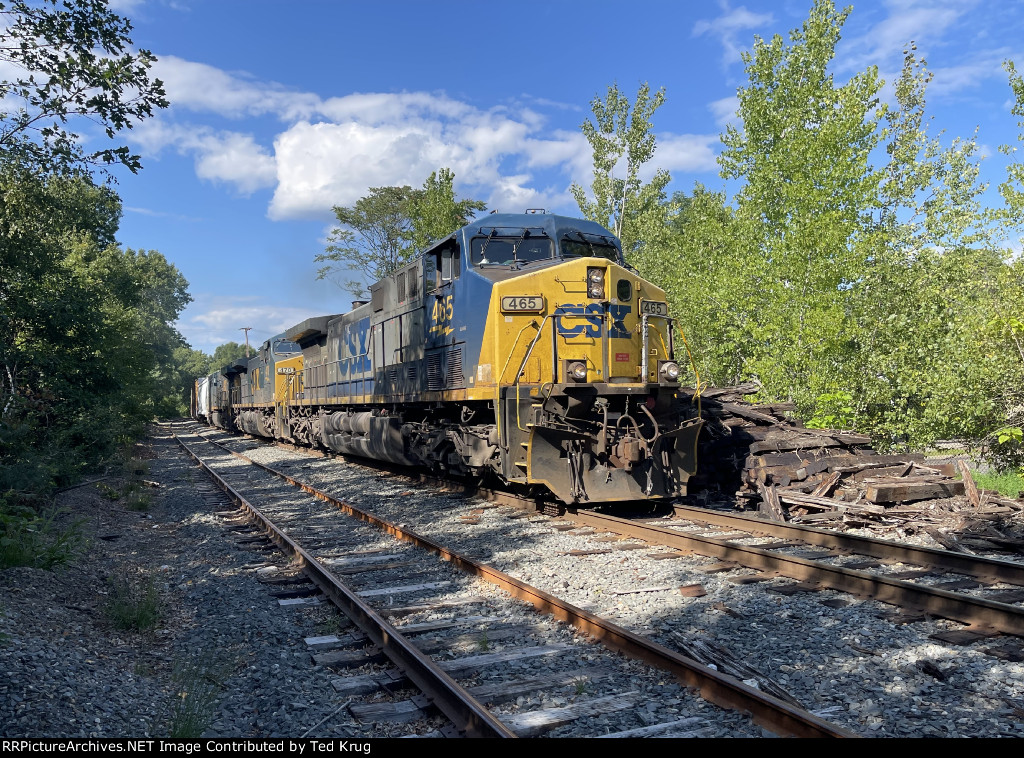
(447,695)
(979,611)
(721,689)
(977,566)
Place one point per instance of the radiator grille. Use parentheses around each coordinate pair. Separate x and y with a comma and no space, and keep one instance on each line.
(455,378)
(435,379)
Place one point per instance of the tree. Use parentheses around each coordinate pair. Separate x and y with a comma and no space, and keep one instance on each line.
(1012,190)
(435,211)
(1006,326)
(383,230)
(921,368)
(78,69)
(87,343)
(701,267)
(186,367)
(373,238)
(621,139)
(802,153)
(227,353)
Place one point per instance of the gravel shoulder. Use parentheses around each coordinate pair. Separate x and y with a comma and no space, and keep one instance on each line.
(224,658)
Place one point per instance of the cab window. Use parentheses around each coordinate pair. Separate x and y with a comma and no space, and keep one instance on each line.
(441,266)
(286,347)
(587,246)
(506,246)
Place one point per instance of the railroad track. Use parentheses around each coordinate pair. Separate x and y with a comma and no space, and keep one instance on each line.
(370,573)
(853,660)
(985,594)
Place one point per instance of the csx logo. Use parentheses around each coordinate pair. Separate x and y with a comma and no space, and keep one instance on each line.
(578,320)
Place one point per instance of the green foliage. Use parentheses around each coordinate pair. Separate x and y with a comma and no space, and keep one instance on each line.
(833,410)
(1006,449)
(1012,190)
(859,274)
(802,154)
(1009,434)
(227,353)
(701,265)
(74,65)
(87,345)
(621,139)
(435,211)
(134,605)
(372,238)
(1009,483)
(44,540)
(386,228)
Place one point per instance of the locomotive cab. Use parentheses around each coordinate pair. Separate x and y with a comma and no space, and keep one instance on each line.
(578,352)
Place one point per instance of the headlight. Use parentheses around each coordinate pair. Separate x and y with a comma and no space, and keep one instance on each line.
(670,371)
(577,371)
(595,283)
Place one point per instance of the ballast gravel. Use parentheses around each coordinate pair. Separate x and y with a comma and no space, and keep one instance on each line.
(844,658)
(69,672)
(225,659)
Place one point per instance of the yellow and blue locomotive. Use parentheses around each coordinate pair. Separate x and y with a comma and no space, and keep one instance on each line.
(521,347)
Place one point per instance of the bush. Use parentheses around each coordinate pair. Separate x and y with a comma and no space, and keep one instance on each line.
(134,605)
(28,538)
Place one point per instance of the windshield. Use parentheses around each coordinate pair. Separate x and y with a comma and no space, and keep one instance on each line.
(283,347)
(579,245)
(527,245)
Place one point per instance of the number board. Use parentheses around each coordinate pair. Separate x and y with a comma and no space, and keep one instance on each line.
(523,303)
(653,308)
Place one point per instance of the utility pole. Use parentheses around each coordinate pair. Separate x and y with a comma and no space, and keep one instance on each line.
(246,330)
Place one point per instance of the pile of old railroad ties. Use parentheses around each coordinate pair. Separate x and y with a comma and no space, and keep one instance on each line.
(756,456)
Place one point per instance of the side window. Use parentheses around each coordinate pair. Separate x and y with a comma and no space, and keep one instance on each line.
(446,265)
(441,265)
(430,282)
(414,284)
(400,281)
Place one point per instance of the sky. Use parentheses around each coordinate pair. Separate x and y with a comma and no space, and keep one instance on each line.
(280,111)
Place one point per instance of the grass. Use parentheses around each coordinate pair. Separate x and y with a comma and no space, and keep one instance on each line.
(135,498)
(334,624)
(134,605)
(198,681)
(1008,483)
(40,540)
(110,493)
(138,501)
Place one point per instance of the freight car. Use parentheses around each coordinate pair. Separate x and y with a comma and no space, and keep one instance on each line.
(521,348)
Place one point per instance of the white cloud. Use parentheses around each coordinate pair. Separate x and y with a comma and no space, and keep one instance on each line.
(229,157)
(331,151)
(922,22)
(206,327)
(236,159)
(728,26)
(321,165)
(724,110)
(382,108)
(685,152)
(199,87)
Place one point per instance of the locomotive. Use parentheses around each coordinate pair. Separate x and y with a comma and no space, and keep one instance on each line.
(521,348)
